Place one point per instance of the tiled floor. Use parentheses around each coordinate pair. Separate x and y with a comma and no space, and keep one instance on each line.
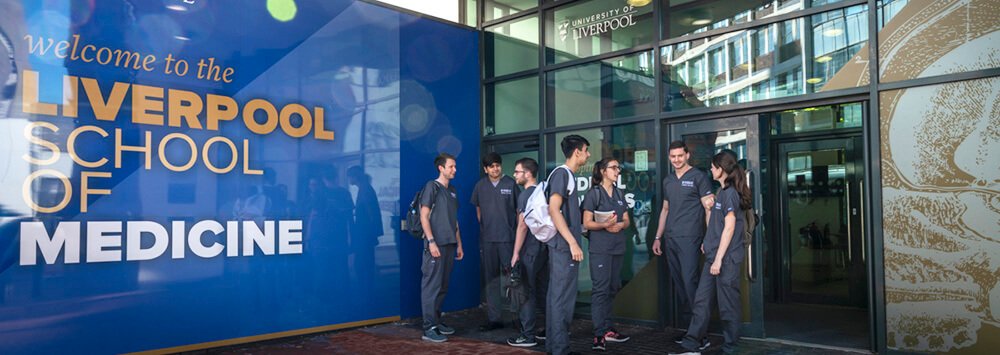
(403,338)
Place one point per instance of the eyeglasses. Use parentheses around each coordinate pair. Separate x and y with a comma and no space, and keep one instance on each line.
(616,167)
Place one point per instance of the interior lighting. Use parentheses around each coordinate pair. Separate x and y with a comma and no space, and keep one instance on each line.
(833,32)
(701,22)
(814,80)
(176,7)
(638,3)
(824,59)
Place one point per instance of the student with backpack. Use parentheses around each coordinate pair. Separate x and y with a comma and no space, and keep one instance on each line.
(724,253)
(442,245)
(605,215)
(534,258)
(565,253)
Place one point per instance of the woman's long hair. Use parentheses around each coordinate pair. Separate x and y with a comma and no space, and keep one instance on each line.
(599,167)
(735,176)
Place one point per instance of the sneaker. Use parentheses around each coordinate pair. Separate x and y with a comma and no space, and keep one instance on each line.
(540,334)
(522,341)
(704,344)
(433,335)
(615,337)
(444,329)
(598,344)
(679,339)
(490,326)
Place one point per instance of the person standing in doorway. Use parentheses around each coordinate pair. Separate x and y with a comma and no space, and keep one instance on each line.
(565,253)
(724,253)
(605,215)
(495,198)
(687,195)
(534,258)
(442,245)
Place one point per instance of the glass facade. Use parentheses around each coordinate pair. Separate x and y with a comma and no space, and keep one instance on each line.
(798,68)
(502,8)
(512,106)
(511,47)
(612,88)
(589,28)
(682,18)
(789,58)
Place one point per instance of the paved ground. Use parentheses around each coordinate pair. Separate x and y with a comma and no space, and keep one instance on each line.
(403,338)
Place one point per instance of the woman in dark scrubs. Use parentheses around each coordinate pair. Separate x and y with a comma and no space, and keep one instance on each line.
(724,253)
(607,246)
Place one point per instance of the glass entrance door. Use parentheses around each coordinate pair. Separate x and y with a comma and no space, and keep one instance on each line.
(704,139)
(820,183)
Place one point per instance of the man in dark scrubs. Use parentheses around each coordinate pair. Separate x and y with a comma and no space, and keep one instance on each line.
(687,194)
(534,258)
(442,245)
(495,198)
(565,253)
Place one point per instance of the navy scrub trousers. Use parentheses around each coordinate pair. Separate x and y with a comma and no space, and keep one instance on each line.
(434,282)
(560,301)
(535,260)
(605,272)
(725,287)
(683,256)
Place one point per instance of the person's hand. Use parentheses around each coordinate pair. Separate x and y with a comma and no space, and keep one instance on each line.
(656,247)
(703,248)
(615,228)
(611,221)
(433,248)
(513,260)
(577,252)
(459,254)
(716,268)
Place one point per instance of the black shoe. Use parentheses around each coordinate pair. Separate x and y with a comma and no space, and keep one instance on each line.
(522,341)
(599,344)
(490,326)
(679,339)
(704,344)
(540,335)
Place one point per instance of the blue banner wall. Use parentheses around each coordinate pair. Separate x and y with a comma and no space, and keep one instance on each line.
(182,172)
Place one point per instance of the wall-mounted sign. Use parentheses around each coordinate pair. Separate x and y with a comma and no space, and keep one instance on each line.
(598,23)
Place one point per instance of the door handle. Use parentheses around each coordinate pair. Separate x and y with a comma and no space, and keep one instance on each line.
(861,200)
(850,251)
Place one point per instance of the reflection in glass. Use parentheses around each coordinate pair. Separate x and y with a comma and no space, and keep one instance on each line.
(634,146)
(817,222)
(512,47)
(684,17)
(612,88)
(594,27)
(502,8)
(799,56)
(511,106)
(817,118)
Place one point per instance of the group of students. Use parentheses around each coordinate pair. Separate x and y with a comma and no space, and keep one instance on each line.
(694,219)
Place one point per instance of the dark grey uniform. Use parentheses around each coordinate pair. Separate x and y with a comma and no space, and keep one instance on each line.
(436,271)
(563,271)
(534,258)
(685,229)
(726,285)
(607,251)
(498,220)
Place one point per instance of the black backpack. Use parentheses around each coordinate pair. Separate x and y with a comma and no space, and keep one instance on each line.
(413,224)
